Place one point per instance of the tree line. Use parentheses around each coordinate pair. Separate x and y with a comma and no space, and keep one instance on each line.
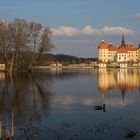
(22,43)
(47,59)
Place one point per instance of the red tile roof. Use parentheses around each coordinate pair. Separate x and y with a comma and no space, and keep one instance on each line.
(120,49)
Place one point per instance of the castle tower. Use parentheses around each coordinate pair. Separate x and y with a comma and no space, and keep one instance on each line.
(123,42)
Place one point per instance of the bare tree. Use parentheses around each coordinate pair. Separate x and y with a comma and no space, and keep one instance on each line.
(41,41)
(5,41)
(20,38)
(22,43)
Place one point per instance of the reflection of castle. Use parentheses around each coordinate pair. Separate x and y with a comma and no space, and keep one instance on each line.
(122,79)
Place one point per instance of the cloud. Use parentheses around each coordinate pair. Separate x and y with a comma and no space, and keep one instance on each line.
(137,16)
(117,30)
(89,30)
(65,31)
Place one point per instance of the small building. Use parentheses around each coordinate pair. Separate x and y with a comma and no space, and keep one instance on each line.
(53,65)
(123,64)
(94,63)
(101,65)
(57,64)
(2,67)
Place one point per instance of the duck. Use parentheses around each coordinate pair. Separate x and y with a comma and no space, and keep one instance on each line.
(100,107)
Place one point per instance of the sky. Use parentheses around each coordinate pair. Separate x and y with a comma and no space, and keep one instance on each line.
(78,26)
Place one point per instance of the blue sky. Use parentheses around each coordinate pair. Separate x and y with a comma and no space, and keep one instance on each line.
(79,25)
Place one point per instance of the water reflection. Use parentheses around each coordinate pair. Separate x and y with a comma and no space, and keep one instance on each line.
(61,105)
(23,101)
(122,79)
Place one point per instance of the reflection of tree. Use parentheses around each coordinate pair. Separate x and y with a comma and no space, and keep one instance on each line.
(43,93)
(24,97)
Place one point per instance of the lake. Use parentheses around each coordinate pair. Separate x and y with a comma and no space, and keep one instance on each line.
(61,105)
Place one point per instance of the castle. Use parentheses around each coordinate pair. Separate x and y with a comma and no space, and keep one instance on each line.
(122,56)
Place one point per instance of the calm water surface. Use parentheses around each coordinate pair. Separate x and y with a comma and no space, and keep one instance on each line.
(59,105)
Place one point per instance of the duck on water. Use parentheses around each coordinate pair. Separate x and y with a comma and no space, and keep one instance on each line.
(100,107)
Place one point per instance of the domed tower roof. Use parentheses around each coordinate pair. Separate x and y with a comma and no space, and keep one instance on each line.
(103,45)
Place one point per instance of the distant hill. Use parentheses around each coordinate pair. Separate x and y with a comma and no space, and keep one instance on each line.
(47,59)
